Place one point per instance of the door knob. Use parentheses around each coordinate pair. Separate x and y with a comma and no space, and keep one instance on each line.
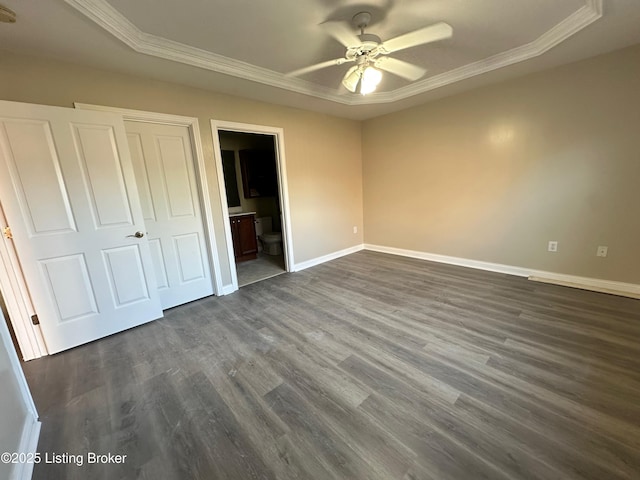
(137,235)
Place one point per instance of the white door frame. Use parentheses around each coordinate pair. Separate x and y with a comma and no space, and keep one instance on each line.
(18,300)
(31,426)
(283,188)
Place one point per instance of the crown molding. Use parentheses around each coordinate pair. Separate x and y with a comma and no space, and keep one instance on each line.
(568,27)
(107,17)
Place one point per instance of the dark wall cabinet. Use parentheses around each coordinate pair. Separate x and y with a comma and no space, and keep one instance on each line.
(243,233)
(259,176)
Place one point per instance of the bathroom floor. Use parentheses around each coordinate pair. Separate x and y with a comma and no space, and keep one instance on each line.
(263,267)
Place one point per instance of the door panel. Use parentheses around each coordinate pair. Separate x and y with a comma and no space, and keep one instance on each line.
(158,264)
(103,176)
(164,166)
(70,196)
(176,173)
(189,257)
(70,285)
(32,148)
(142,178)
(126,275)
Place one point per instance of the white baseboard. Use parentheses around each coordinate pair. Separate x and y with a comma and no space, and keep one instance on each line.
(462,262)
(28,444)
(325,258)
(597,285)
(227,289)
(585,283)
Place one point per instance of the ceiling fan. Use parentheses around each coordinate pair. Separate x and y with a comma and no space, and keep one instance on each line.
(370,53)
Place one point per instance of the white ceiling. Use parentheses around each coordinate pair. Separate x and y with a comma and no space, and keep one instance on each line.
(245,47)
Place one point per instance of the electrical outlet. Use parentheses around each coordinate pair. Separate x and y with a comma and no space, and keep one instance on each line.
(602,251)
(553,246)
(355,229)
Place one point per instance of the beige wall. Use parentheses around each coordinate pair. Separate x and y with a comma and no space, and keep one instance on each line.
(496,173)
(323,153)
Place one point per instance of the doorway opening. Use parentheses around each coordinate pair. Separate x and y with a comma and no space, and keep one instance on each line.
(253,198)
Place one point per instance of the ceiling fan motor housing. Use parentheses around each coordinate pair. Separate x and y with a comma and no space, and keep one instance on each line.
(361,20)
(370,40)
(369,44)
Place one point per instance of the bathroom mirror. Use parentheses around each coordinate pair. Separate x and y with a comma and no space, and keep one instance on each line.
(230,178)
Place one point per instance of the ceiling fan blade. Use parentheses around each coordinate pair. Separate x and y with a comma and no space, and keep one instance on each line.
(432,33)
(342,33)
(401,68)
(318,66)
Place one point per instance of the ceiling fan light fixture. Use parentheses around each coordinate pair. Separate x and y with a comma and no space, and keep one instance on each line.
(351,79)
(371,78)
(362,79)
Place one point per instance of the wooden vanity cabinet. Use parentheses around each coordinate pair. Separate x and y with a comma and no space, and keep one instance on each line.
(243,233)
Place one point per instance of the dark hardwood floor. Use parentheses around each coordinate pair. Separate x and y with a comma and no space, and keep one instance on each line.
(367,367)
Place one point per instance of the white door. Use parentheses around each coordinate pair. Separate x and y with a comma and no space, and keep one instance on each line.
(69,193)
(163,162)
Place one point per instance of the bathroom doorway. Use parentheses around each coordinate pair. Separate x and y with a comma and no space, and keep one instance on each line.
(251,167)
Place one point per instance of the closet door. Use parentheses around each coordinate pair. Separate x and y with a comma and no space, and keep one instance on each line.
(164,167)
(69,193)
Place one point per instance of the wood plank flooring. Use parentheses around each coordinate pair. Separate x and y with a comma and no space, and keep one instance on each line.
(367,367)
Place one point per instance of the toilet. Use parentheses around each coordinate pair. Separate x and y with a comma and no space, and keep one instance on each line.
(272,243)
(269,242)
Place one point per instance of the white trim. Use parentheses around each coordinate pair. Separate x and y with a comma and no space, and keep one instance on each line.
(17,369)
(462,262)
(568,27)
(585,283)
(283,188)
(230,288)
(327,258)
(140,115)
(205,200)
(594,284)
(203,187)
(225,210)
(31,427)
(28,444)
(18,300)
(107,17)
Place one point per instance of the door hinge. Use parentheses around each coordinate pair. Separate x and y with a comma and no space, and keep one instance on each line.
(35,320)
(7,232)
